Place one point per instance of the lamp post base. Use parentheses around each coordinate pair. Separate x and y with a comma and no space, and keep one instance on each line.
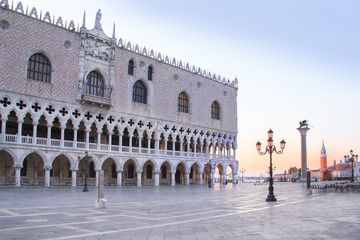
(85,189)
(271,198)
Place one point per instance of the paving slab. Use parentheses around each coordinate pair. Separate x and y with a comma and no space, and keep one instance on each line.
(181,212)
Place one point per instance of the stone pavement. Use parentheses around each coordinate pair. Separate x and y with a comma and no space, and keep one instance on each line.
(181,212)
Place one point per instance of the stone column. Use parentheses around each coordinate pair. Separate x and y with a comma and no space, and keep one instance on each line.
(139,178)
(110,140)
(303,131)
(19,133)
(49,126)
(97,177)
(140,141)
(73,177)
(234,178)
(234,148)
(119,178)
(120,142)
(75,137)
(47,175)
(17,174)
(62,138)
(157,145)
(201,178)
(181,145)
(149,145)
(3,129)
(156,180)
(130,142)
(173,147)
(87,138)
(172,179)
(98,139)
(166,144)
(187,178)
(35,124)
(213,175)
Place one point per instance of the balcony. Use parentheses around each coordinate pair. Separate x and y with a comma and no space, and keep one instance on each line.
(102,98)
(106,148)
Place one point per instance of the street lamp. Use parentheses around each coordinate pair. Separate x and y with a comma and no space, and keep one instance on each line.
(351,158)
(86,165)
(270,148)
(242,171)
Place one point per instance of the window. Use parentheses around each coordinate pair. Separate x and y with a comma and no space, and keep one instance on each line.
(150,73)
(215,110)
(95,84)
(163,172)
(149,172)
(39,68)
(131,67)
(139,92)
(183,103)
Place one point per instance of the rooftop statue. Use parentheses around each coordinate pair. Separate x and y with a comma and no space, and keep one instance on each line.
(98,19)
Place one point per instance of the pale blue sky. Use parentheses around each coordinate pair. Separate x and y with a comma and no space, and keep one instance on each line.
(294,60)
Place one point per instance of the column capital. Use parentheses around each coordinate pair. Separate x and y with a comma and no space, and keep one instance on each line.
(47,168)
(18,166)
(303,130)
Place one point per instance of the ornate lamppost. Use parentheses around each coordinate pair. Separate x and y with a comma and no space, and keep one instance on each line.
(86,165)
(270,148)
(242,171)
(351,159)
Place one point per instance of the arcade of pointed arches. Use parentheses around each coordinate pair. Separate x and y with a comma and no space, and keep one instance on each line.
(34,167)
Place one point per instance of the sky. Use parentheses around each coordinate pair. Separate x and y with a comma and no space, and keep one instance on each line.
(294,60)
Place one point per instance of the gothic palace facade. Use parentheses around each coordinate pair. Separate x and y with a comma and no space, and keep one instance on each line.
(145,119)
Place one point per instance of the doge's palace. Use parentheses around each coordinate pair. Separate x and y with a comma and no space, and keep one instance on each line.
(142,117)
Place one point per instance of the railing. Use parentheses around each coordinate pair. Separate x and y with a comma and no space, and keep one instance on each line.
(93,146)
(81,145)
(104,147)
(41,141)
(68,143)
(29,140)
(10,138)
(55,142)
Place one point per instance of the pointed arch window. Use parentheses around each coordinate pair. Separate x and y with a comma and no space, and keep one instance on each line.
(131,67)
(150,73)
(95,84)
(139,92)
(215,110)
(149,172)
(183,102)
(39,68)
